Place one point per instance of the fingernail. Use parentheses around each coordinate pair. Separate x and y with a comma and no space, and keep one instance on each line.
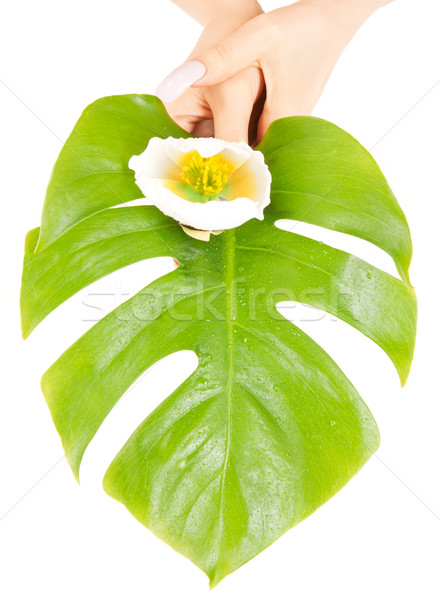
(179,80)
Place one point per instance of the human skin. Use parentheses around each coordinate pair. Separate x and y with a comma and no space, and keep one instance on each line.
(290,52)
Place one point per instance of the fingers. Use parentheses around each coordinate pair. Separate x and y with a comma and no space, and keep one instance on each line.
(287,96)
(222,110)
(232,104)
(231,120)
(179,80)
(226,77)
(243,48)
(204,128)
(190,109)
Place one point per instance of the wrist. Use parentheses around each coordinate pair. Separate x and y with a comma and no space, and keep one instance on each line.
(354,12)
(342,18)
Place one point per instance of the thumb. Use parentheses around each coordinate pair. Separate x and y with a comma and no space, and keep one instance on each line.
(232,103)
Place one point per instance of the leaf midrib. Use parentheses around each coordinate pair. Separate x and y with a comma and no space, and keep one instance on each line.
(230,303)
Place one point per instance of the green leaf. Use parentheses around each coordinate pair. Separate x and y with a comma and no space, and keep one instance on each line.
(267,428)
(322,175)
(53,276)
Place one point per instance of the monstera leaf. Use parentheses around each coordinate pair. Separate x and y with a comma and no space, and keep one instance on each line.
(267,428)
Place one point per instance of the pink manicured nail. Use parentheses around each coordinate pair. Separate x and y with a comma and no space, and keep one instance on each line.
(179,80)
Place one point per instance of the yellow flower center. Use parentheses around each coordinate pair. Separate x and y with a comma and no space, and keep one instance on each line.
(206,176)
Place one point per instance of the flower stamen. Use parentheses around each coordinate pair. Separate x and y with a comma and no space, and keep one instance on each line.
(206,176)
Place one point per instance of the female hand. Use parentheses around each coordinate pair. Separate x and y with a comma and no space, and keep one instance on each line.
(295,49)
(223,109)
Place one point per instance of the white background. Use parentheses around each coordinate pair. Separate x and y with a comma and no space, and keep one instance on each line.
(379,537)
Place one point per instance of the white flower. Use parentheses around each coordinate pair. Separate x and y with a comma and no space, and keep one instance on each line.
(206,184)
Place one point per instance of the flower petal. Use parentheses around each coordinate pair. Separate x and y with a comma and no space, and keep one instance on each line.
(158,175)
